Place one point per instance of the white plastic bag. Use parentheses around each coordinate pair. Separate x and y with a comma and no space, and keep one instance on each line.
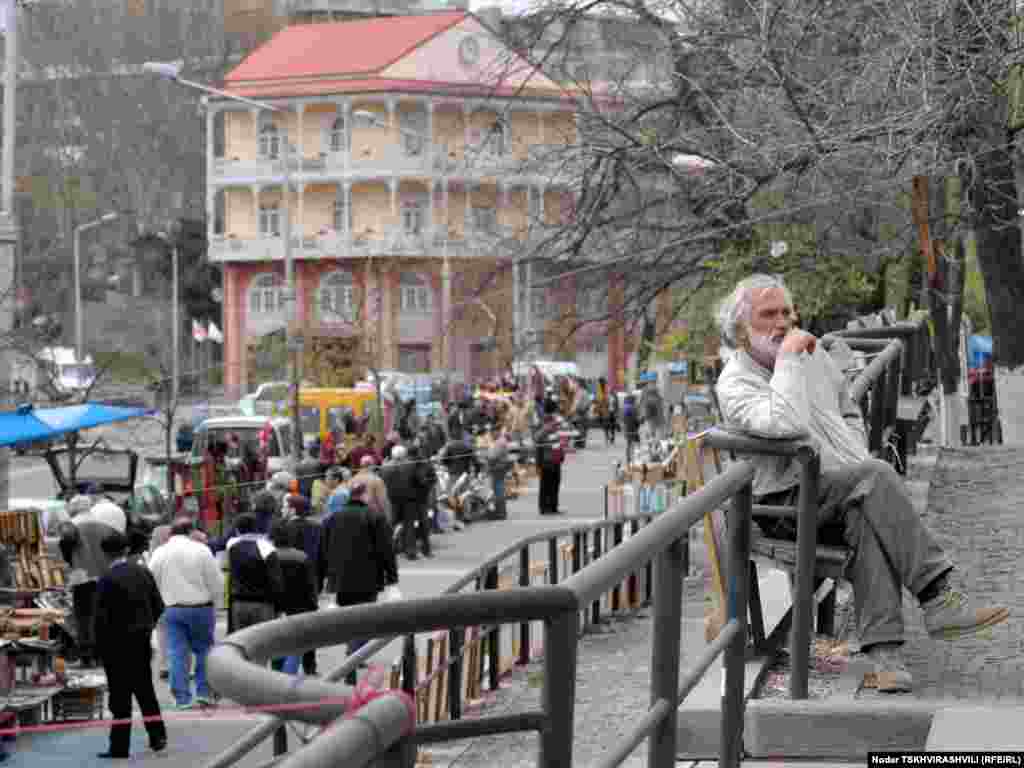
(390,594)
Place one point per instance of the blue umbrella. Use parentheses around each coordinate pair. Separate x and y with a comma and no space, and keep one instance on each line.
(29,424)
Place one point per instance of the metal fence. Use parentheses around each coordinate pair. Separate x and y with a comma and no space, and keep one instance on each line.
(608,558)
(236,666)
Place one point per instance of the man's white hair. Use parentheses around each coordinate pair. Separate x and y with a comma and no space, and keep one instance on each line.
(398,453)
(734,310)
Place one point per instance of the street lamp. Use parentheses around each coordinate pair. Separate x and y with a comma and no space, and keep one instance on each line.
(105,218)
(172,71)
(175,323)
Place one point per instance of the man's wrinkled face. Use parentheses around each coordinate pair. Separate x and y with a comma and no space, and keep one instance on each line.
(771,318)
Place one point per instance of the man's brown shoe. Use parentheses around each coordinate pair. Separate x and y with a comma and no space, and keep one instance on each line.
(949,616)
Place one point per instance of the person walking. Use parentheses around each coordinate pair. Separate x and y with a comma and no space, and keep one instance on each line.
(403,480)
(306,533)
(630,427)
(128,605)
(257,584)
(425,483)
(550,455)
(612,425)
(498,465)
(360,555)
(191,584)
(301,588)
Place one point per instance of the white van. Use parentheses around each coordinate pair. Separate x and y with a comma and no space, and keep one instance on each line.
(54,373)
(247,429)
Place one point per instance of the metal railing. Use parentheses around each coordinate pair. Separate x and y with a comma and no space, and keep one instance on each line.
(235,665)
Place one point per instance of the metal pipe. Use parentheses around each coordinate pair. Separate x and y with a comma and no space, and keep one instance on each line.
(524,627)
(432,733)
(11,64)
(665,647)
(654,538)
(707,657)
(875,369)
(302,632)
(176,336)
(735,653)
(358,739)
(806,542)
(653,719)
(560,647)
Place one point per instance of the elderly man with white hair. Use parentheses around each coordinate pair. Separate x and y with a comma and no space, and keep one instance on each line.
(779,383)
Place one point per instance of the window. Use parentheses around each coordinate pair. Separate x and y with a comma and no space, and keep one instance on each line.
(342,218)
(413,129)
(414,294)
(497,138)
(414,358)
(269,141)
(413,217)
(337,297)
(265,295)
(485,219)
(338,140)
(270,220)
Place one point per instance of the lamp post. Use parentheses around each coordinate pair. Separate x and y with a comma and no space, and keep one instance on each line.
(77,246)
(171,71)
(175,322)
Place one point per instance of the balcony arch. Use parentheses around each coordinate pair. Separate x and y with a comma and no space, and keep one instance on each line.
(269,144)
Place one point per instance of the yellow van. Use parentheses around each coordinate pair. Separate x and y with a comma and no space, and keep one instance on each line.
(322,409)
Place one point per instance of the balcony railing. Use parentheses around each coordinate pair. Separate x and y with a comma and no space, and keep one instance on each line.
(428,242)
(545,161)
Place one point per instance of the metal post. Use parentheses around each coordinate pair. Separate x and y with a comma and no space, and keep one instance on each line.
(735,652)
(291,341)
(665,645)
(281,740)
(617,591)
(559,690)
(806,541)
(595,609)
(77,264)
(524,627)
(494,641)
(879,389)
(456,638)
(553,560)
(176,336)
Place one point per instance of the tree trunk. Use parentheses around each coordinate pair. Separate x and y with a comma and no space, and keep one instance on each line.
(997,198)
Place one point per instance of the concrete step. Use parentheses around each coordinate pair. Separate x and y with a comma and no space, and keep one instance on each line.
(976,727)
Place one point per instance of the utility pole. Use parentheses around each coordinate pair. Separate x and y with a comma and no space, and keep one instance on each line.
(9,232)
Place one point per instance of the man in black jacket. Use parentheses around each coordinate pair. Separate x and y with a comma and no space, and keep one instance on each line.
(257,584)
(404,480)
(359,554)
(300,588)
(128,605)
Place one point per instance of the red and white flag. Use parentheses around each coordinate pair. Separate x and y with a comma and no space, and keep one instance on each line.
(214,334)
(198,331)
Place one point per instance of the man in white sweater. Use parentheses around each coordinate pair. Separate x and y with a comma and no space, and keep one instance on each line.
(191,585)
(778,384)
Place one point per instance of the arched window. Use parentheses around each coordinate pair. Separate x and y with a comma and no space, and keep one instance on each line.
(337,297)
(414,216)
(415,296)
(269,141)
(265,295)
(338,139)
(497,140)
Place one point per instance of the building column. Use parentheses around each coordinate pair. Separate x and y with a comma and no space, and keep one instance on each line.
(372,311)
(396,137)
(446,315)
(256,208)
(387,326)
(467,113)
(467,216)
(429,149)
(211,211)
(346,224)
(255,112)
(395,221)
(540,127)
(432,194)
(211,117)
(444,204)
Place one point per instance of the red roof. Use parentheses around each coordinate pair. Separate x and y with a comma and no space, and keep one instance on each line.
(340,48)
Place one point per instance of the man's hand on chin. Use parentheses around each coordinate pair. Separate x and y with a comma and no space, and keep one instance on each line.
(797,341)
